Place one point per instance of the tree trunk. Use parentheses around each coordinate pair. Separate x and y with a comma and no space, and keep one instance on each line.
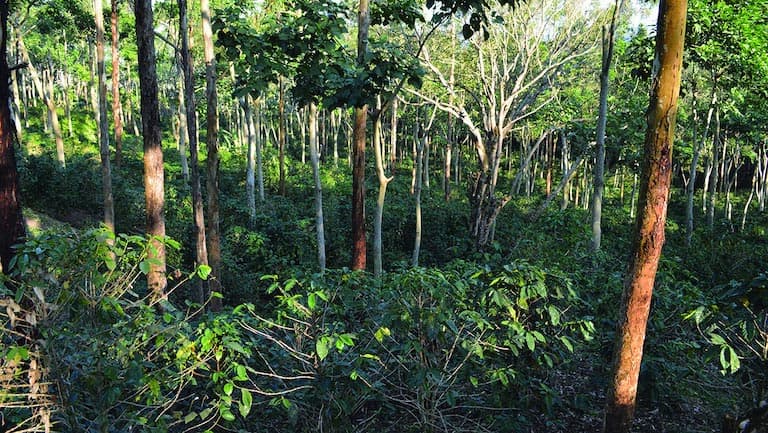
(418,163)
(212,161)
(315,160)
(698,145)
(715,176)
(183,129)
(250,164)
(11,219)
(198,214)
(106,168)
(117,107)
(358,151)
(649,229)
(154,183)
(281,134)
(47,99)
(378,150)
(599,180)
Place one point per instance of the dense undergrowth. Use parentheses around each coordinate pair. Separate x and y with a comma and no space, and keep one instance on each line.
(516,338)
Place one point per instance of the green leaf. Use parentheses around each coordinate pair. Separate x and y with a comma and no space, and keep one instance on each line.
(241,373)
(203,271)
(190,417)
(530,340)
(228,388)
(226,414)
(312,301)
(144,267)
(321,347)
(246,402)
(381,333)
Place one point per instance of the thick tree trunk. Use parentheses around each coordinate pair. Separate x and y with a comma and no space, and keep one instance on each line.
(201,250)
(11,219)
(649,234)
(602,118)
(117,107)
(358,151)
(315,160)
(154,183)
(212,161)
(106,168)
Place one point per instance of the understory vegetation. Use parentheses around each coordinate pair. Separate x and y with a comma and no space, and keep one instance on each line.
(516,338)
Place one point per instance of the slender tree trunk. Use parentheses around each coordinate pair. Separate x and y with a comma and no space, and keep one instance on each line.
(314,157)
(384,180)
(418,163)
(649,234)
(358,152)
(154,183)
(715,177)
(250,166)
(260,138)
(47,99)
(697,147)
(213,235)
(198,213)
(106,168)
(11,219)
(599,180)
(117,107)
(183,128)
(281,134)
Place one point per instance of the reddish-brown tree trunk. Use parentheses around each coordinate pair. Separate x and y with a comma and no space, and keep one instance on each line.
(154,183)
(11,219)
(358,150)
(651,217)
(117,107)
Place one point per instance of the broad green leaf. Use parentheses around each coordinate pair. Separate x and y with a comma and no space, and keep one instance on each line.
(321,347)
(203,271)
(246,402)
(228,388)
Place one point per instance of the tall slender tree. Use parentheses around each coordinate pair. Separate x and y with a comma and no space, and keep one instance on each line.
(213,234)
(117,106)
(106,167)
(11,219)
(651,217)
(198,213)
(358,148)
(154,182)
(598,187)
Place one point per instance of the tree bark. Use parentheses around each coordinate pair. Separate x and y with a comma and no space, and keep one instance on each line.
(106,168)
(117,107)
(198,214)
(358,151)
(250,164)
(154,183)
(419,179)
(212,161)
(11,219)
(315,160)
(281,135)
(384,180)
(602,118)
(651,217)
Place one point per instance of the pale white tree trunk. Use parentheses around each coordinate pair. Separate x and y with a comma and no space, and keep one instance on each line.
(315,160)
